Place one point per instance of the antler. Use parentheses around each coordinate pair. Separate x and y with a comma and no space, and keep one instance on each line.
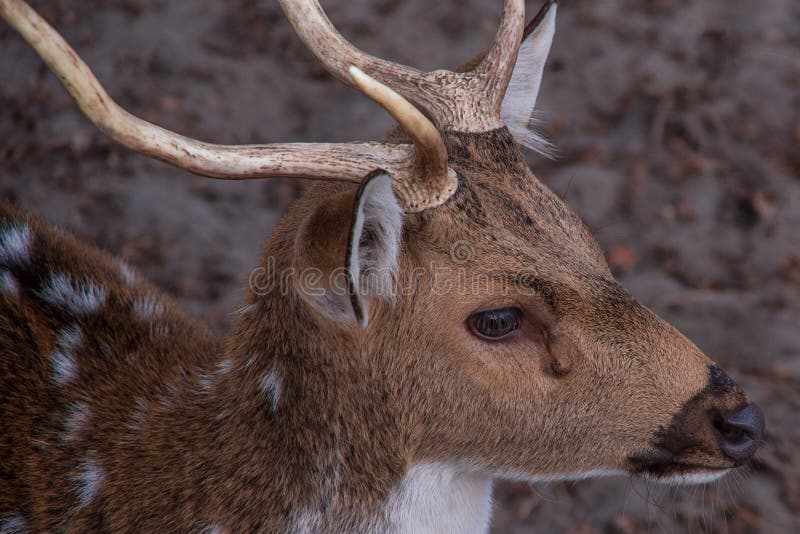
(459,101)
(463,101)
(305,160)
(435,182)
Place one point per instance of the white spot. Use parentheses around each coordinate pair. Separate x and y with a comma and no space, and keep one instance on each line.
(138,417)
(14,524)
(438,497)
(9,284)
(211,528)
(70,337)
(89,479)
(147,308)
(15,245)
(127,273)
(305,522)
(76,297)
(205,381)
(75,423)
(224,367)
(271,385)
(65,369)
(62,359)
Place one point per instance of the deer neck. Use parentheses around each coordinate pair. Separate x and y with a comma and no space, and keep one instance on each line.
(332,437)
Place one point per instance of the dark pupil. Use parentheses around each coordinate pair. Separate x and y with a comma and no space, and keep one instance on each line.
(497,323)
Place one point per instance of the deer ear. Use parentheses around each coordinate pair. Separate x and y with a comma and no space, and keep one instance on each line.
(373,246)
(370,249)
(523,88)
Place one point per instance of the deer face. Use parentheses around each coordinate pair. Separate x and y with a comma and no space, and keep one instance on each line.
(529,360)
(507,344)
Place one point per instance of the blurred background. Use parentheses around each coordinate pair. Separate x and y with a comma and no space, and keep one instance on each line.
(677,125)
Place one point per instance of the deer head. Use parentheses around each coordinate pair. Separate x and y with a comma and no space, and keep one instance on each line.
(448,309)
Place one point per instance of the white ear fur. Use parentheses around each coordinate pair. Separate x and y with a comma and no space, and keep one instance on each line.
(523,89)
(373,247)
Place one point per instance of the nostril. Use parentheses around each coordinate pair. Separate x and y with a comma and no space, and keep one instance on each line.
(741,432)
(749,420)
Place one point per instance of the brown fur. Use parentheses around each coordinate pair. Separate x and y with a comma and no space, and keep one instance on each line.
(593,380)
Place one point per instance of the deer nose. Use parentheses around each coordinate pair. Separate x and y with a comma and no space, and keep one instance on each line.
(741,432)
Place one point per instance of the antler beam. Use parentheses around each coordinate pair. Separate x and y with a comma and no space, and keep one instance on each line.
(326,161)
(460,101)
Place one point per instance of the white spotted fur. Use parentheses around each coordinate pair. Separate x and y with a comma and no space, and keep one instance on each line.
(62,359)
(206,381)
(65,368)
(127,273)
(15,245)
(76,421)
(224,367)
(9,283)
(14,524)
(88,480)
(81,297)
(272,386)
(146,308)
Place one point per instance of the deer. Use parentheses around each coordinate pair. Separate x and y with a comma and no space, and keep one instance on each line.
(427,318)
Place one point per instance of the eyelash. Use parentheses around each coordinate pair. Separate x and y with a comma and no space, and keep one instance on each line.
(496,324)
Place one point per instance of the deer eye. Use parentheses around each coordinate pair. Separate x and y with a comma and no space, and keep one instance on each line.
(495,324)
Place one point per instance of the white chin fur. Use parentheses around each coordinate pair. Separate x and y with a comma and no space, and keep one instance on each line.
(691,479)
(684,479)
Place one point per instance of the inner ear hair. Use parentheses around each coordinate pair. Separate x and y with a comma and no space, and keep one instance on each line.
(374,242)
(319,273)
(519,102)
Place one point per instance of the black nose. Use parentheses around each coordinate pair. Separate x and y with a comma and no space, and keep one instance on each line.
(740,433)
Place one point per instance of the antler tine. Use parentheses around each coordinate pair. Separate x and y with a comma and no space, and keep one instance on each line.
(318,33)
(326,161)
(494,71)
(434,182)
(459,101)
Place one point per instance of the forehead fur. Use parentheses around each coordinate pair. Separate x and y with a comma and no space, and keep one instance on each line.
(502,209)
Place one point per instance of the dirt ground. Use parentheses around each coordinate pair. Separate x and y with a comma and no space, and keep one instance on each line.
(677,124)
